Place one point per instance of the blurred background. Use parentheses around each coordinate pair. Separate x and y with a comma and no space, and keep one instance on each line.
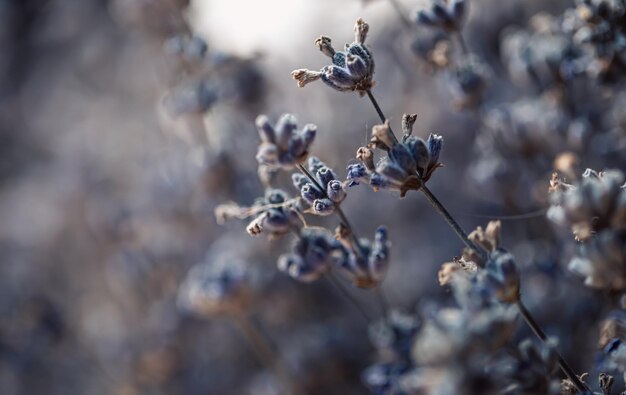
(119,137)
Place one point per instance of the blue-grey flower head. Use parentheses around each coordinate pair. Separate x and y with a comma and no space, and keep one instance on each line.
(443,14)
(408,163)
(215,287)
(468,80)
(501,277)
(283,145)
(312,255)
(595,211)
(365,264)
(275,214)
(351,69)
(323,194)
(190,97)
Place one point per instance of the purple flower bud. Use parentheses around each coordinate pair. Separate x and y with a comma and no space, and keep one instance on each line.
(335,191)
(310,193)
(323,206)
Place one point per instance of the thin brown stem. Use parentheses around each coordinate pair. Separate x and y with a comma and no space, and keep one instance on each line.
(534,326)
(462,43)
(382,300)
(336,283)
(262,347)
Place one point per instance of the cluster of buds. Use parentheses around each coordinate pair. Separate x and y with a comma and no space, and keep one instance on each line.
(275,214)
(313,255)
(495,272)
(351,69)
(407,165)
(283,145)
(365,263)
(443,14)
(322,194)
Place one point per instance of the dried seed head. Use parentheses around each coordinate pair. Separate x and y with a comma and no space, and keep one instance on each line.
(408,120)
(382,137)
(324,45)
(305,76)
(360,31)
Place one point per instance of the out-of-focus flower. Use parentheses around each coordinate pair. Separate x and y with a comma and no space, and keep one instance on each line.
(274,213)
(595,210)
(325,193)
(191,97)
(215,287)
(597,203)
(365,263)
(443,14)
(468,80)
(351,70)
(312,255)
(188,48)
(282,145)
(531,369)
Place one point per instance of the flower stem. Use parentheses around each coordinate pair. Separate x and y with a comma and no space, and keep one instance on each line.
(462,43)
(382,299)
(534,326)
(441,209)
(261,345)
(336,283)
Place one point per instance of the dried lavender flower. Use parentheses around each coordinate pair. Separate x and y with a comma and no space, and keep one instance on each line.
(312,255)
(275,213)
(351,69)
(215,287)
(365,264)
(282,145)
(407,165)
(468,80)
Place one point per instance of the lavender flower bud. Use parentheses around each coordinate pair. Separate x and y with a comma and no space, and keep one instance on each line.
(266,130)
(435,144)
(420,152)
(356,173)
(325,175)
(310,193)
(285,129)
(335,191)
(400,155)
(299,180)
(501,276)
(323,206)
(315,164)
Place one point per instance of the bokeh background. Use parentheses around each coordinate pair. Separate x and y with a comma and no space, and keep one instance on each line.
(115,150)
